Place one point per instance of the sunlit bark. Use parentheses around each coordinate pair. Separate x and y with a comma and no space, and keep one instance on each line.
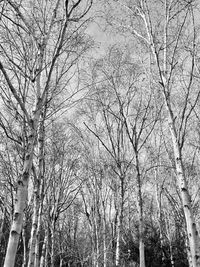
(44,253)
(38,197)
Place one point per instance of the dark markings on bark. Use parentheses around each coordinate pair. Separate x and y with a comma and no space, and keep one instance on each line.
(16,215)
(184,189)
(13,232)
(26,175)
(28,157)
(20,182)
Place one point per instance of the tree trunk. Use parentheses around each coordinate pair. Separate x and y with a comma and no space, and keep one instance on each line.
(159,206)
(118,232)
(104,239)
(171,254)
(61,262)
(119,223)
(37,194)
(169,236)
(53,223)
(22,191)
(96,237)
(44,249)
(38,232)
(140,213)
(52,244)
(17,220)
(20,203)
(24,247)
(40,183)
(97,248)
(34,228)
(192,233)
(2,222)
(189,256)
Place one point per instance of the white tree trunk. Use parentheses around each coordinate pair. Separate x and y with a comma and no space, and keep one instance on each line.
(96,227)
(140,213)
(34,229)
(38,234)
(20,203)
(159,206)
(104,240)
(24,247)
(118,232)
(192,233)
(44,249)
(52,244)
(40,183)
(119,224)
(189,256)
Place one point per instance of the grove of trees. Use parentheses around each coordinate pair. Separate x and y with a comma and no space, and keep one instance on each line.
(99,148)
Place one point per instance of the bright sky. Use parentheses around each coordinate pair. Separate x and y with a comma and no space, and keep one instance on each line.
(103,39)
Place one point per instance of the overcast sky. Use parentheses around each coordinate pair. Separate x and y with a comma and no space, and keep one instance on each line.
(103,38)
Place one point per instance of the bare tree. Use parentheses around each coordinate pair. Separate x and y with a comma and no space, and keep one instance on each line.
(36,55)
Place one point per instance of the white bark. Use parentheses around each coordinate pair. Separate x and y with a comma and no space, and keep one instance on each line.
(119,223)
(193,235)
(159,206)
(140,214)
(38,233)
(20,201)
(24,247)
(104,239)
(118,232)
(44,250)
(33,229)
(53,223)
(37,209)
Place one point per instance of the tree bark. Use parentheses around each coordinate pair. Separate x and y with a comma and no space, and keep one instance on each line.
(34,228)
(24,247)
(118,232)
(44,250)
(158,194)
(140,213)
(21,197)
(38,198)
(119,223)
(38,231)
(192,232)
(53,223)
(104,239)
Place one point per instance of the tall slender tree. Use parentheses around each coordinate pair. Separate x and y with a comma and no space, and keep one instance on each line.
(37,44)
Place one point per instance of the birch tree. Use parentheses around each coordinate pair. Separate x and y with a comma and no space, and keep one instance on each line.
(35,53)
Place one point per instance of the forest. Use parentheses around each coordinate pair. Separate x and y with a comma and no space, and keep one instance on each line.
(99,133)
